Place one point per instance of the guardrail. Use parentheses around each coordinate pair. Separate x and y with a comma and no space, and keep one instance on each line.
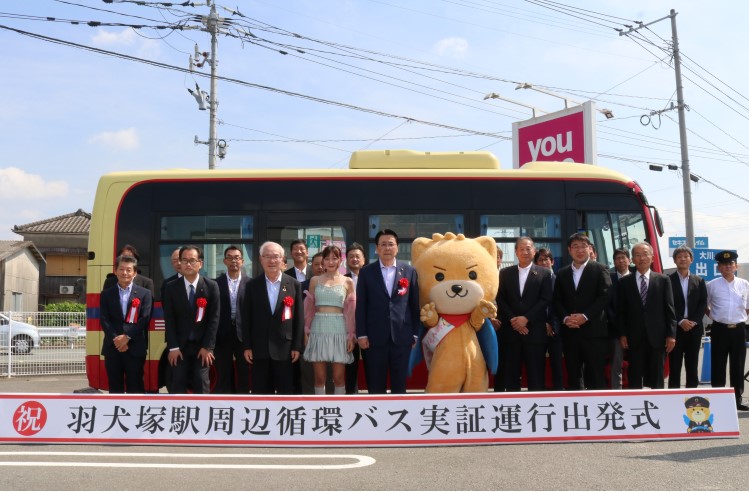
(37,343)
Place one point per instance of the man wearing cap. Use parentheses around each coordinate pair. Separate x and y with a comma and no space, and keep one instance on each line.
(728,306)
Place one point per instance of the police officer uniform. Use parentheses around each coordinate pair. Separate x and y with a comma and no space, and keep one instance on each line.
(728,304)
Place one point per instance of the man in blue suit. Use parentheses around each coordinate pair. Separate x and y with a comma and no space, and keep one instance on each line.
(387,316)
(125,314)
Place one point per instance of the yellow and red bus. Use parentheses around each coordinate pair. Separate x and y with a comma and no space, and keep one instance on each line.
(414,193)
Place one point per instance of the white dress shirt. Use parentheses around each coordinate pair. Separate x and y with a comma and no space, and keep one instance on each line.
(578,272)
(728,301)
(388,273)
(523,276)
(273,288)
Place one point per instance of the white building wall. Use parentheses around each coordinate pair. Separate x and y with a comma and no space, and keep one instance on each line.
(22,275)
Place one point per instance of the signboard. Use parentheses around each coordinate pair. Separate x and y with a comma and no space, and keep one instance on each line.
(675,242)
(705,265)
(313,242)
(367,420)
(565,136)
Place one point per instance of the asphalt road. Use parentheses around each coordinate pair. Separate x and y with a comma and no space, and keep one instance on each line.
(718,464)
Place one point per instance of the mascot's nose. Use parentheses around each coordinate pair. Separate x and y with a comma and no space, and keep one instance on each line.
(457,288)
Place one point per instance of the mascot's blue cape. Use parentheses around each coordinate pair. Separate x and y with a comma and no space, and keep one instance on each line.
(487,341)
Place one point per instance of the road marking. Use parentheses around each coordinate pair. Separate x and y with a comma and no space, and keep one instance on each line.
(359,461)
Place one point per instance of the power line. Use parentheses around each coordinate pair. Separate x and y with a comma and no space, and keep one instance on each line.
(252,85)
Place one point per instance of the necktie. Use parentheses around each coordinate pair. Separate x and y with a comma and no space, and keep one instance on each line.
(191,296)
(643,289)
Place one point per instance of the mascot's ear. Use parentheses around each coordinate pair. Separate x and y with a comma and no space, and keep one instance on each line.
(489,244)
(419,245)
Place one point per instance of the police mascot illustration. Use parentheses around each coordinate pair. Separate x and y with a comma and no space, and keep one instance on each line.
(698,417)
(458,281)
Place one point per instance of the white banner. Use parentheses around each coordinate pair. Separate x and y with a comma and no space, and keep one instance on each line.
(368,421)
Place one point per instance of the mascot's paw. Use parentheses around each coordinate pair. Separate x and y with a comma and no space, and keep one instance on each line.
(429,315)
(485,309)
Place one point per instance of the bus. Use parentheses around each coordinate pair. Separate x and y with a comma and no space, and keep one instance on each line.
(413,193)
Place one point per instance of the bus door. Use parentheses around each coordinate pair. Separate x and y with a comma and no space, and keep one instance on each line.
(317,229)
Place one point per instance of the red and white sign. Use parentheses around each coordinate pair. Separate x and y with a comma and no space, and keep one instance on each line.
(368,421)
(564,136)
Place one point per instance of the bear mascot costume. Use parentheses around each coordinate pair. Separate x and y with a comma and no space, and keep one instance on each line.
(458,282)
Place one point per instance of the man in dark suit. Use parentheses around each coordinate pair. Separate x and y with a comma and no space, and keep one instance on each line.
(355,260)
(545,258)
(301,270)
(125,315)
(646,320)
(141,280)
(191,316)
(273,324)
(177,267)
(690,302)
(387,316)
(581,293)
(523,299)
(621,269)
(229,351)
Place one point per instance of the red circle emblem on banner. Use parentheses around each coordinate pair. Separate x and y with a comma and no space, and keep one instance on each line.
(29,418)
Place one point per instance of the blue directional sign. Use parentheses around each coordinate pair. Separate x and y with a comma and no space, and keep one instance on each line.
(675,242)
(704,263)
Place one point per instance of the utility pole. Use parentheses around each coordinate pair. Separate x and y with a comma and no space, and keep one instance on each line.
(212,24)
(686,175)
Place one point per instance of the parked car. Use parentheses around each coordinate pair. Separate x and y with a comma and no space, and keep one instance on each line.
(25,337)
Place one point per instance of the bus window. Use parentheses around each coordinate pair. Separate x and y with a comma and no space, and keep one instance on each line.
(200,228)
(317,237)
(544,229)
(611,230)
(409,227)
(212,233)
(213,254)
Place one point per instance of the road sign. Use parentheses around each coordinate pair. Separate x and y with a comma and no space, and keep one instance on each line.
(704,263)
(675,242)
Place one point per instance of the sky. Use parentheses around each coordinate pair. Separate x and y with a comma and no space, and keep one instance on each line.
(300,69)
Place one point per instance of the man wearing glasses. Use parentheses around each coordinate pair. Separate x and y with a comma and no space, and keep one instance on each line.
(581,294)
(273,324)
(191,316)
(229,351)
(387,316)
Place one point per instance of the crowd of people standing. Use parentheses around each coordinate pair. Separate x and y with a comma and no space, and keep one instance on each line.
(301,329)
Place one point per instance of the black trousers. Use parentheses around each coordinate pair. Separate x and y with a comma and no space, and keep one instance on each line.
(554,348)
(591,351)
(533,356)
(728,345)
(646,366)
(232,370)
(686,350)
(124,372)
(352,372)
(189,372)
(387,359)
(272,376)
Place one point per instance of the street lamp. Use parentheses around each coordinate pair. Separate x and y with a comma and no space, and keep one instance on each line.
(525,85)
(494,95)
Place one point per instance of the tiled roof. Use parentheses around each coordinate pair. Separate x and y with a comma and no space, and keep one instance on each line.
(77,222)
(7,248)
